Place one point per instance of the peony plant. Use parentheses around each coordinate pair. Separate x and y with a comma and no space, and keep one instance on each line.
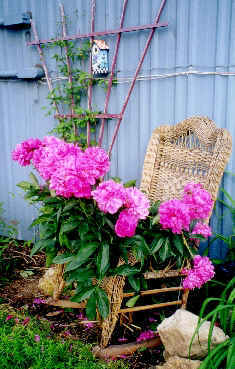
(87,223)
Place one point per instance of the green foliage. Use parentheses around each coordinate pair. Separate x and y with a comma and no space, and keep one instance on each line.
(18,348)
(76,233)
(224,312)
(8,231)
(229,240)
(69,93)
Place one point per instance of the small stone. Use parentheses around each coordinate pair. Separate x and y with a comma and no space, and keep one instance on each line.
(50,281)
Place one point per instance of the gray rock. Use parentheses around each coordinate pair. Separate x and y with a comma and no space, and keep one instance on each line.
(176,333)
(176,362)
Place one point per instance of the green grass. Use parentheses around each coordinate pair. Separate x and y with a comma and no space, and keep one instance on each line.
(19,350)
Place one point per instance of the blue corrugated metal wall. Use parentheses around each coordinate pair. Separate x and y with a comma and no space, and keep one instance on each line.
(200,37)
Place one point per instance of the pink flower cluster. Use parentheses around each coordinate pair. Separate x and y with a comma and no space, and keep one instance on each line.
(23,152)
(195,204)
(72,172)
(202,271)
(69,170)
(203,229)
(198,200)
(111,196)
(146,335)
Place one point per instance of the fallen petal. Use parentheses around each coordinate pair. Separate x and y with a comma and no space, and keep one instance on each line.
(36,338)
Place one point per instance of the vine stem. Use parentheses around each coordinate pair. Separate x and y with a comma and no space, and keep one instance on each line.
(90,71)
(186,244)
(42,58)
(70,78)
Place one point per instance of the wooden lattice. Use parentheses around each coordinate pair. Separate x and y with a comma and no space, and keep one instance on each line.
(37,42)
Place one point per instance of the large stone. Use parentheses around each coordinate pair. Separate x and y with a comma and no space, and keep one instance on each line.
(177,331)
(176,362)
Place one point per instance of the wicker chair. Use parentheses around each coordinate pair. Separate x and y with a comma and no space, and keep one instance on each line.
(191,151)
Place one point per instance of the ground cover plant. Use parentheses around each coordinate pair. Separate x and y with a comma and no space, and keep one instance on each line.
(27,343)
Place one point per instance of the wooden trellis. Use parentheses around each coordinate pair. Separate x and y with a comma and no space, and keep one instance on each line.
(152,27)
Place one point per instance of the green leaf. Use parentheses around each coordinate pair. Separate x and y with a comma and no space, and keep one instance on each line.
(91,307)
(164,251)
(34,179)
(83,229)
(62,259)
(134,282)
(50,254)
(84,294)
(157,244)
(42,244)
(69,226)
(102,261)
(24,185)
(132,301)
(80,275)
(154,208)
(82,256)
(231,355)
(102,302)
(110,224)
(178,243)
(58,214)
(116,179)
(70,205)
(131,183)
(40,220)
(126,270)
(47,230)
(198,236)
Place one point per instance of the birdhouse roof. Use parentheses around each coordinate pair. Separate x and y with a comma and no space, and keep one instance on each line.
(101,44)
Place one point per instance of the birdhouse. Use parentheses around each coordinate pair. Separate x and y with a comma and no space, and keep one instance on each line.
(100,61)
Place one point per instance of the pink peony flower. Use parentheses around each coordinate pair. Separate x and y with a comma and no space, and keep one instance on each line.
(126,224)
(174,215)
(110,196)
(24,151)
(68,180)
(52,154)
(97,161)
(137,202)
(198,200)
(203,229)
(202,271)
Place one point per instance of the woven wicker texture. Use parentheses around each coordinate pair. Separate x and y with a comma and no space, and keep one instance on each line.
(191,151)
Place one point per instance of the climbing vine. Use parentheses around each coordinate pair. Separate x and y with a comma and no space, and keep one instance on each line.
(71,90)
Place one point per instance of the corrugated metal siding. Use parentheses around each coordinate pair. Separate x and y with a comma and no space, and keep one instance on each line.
(200,36)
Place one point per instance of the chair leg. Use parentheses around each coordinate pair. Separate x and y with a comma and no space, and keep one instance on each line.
(185,298)
(114,288)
